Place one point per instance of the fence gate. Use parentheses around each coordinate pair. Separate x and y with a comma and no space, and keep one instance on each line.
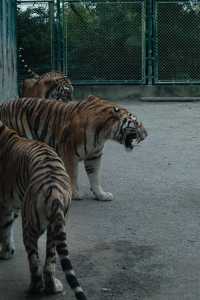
(176,31)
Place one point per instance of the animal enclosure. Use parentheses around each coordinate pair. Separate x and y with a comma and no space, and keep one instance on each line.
(113,42)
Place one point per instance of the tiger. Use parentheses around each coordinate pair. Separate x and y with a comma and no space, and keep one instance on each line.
(77,131)
(33,178)
(51,85)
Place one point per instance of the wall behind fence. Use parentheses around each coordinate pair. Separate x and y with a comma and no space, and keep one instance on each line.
(8,72)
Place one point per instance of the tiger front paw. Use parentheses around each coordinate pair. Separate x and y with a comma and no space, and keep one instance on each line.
(76,196)
(52,284)
(104,196)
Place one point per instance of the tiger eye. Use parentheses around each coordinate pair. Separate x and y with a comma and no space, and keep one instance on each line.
(116,109)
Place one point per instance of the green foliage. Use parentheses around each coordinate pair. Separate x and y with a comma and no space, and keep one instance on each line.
(104,40)
(33,35)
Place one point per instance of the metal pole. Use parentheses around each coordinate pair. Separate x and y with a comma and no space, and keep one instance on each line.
(51,24)
(58,36)
(34,1)
(150,41)
(63,38)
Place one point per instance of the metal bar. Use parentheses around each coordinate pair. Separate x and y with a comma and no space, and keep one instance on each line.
(143,33)
(64,38)
(58,39)
(170,1)
(177,82)
(149,44)
(108,82)
(51,21)
(34,1)
(100,1)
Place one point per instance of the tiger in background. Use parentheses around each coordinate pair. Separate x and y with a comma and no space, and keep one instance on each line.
(77,131)
(33,178)
(51,85)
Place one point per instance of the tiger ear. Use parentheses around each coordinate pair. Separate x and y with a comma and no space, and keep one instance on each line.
(92,98)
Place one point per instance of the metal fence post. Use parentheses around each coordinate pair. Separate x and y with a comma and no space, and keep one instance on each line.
(150,42)
(59,44)
(51,21)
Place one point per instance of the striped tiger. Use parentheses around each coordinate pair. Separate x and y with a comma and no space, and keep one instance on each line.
(51,85)
(33,178)
(77,130)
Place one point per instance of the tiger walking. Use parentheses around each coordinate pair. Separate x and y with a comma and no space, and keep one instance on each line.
(33,178)
(77,131)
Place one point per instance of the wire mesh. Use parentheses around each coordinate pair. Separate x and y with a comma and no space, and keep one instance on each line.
(177,42)
(34,36)
(105,41)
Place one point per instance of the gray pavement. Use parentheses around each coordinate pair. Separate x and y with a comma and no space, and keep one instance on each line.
(145,244)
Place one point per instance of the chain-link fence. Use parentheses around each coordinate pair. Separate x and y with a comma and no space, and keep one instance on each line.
(34,37)
(108,42)
(40,37)
(105,41)
(177,37)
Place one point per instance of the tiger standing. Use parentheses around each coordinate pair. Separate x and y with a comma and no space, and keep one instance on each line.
(77,130)
(33,178)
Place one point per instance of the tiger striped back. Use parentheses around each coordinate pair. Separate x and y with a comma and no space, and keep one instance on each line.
(39,184)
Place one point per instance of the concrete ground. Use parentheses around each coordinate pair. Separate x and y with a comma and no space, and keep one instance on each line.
(145,244)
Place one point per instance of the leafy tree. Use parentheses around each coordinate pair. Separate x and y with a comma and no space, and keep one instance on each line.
(104,40)
(34,36)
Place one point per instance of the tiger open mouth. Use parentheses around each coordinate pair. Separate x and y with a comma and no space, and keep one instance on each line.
(129,139)
(134,136)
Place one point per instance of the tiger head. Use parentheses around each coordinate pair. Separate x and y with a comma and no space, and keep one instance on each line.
(62,89)
(111,121)
(51,85)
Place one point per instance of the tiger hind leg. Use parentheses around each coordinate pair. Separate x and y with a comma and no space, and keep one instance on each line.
(30,237)
(52,284)
(7,246)
(62,250)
